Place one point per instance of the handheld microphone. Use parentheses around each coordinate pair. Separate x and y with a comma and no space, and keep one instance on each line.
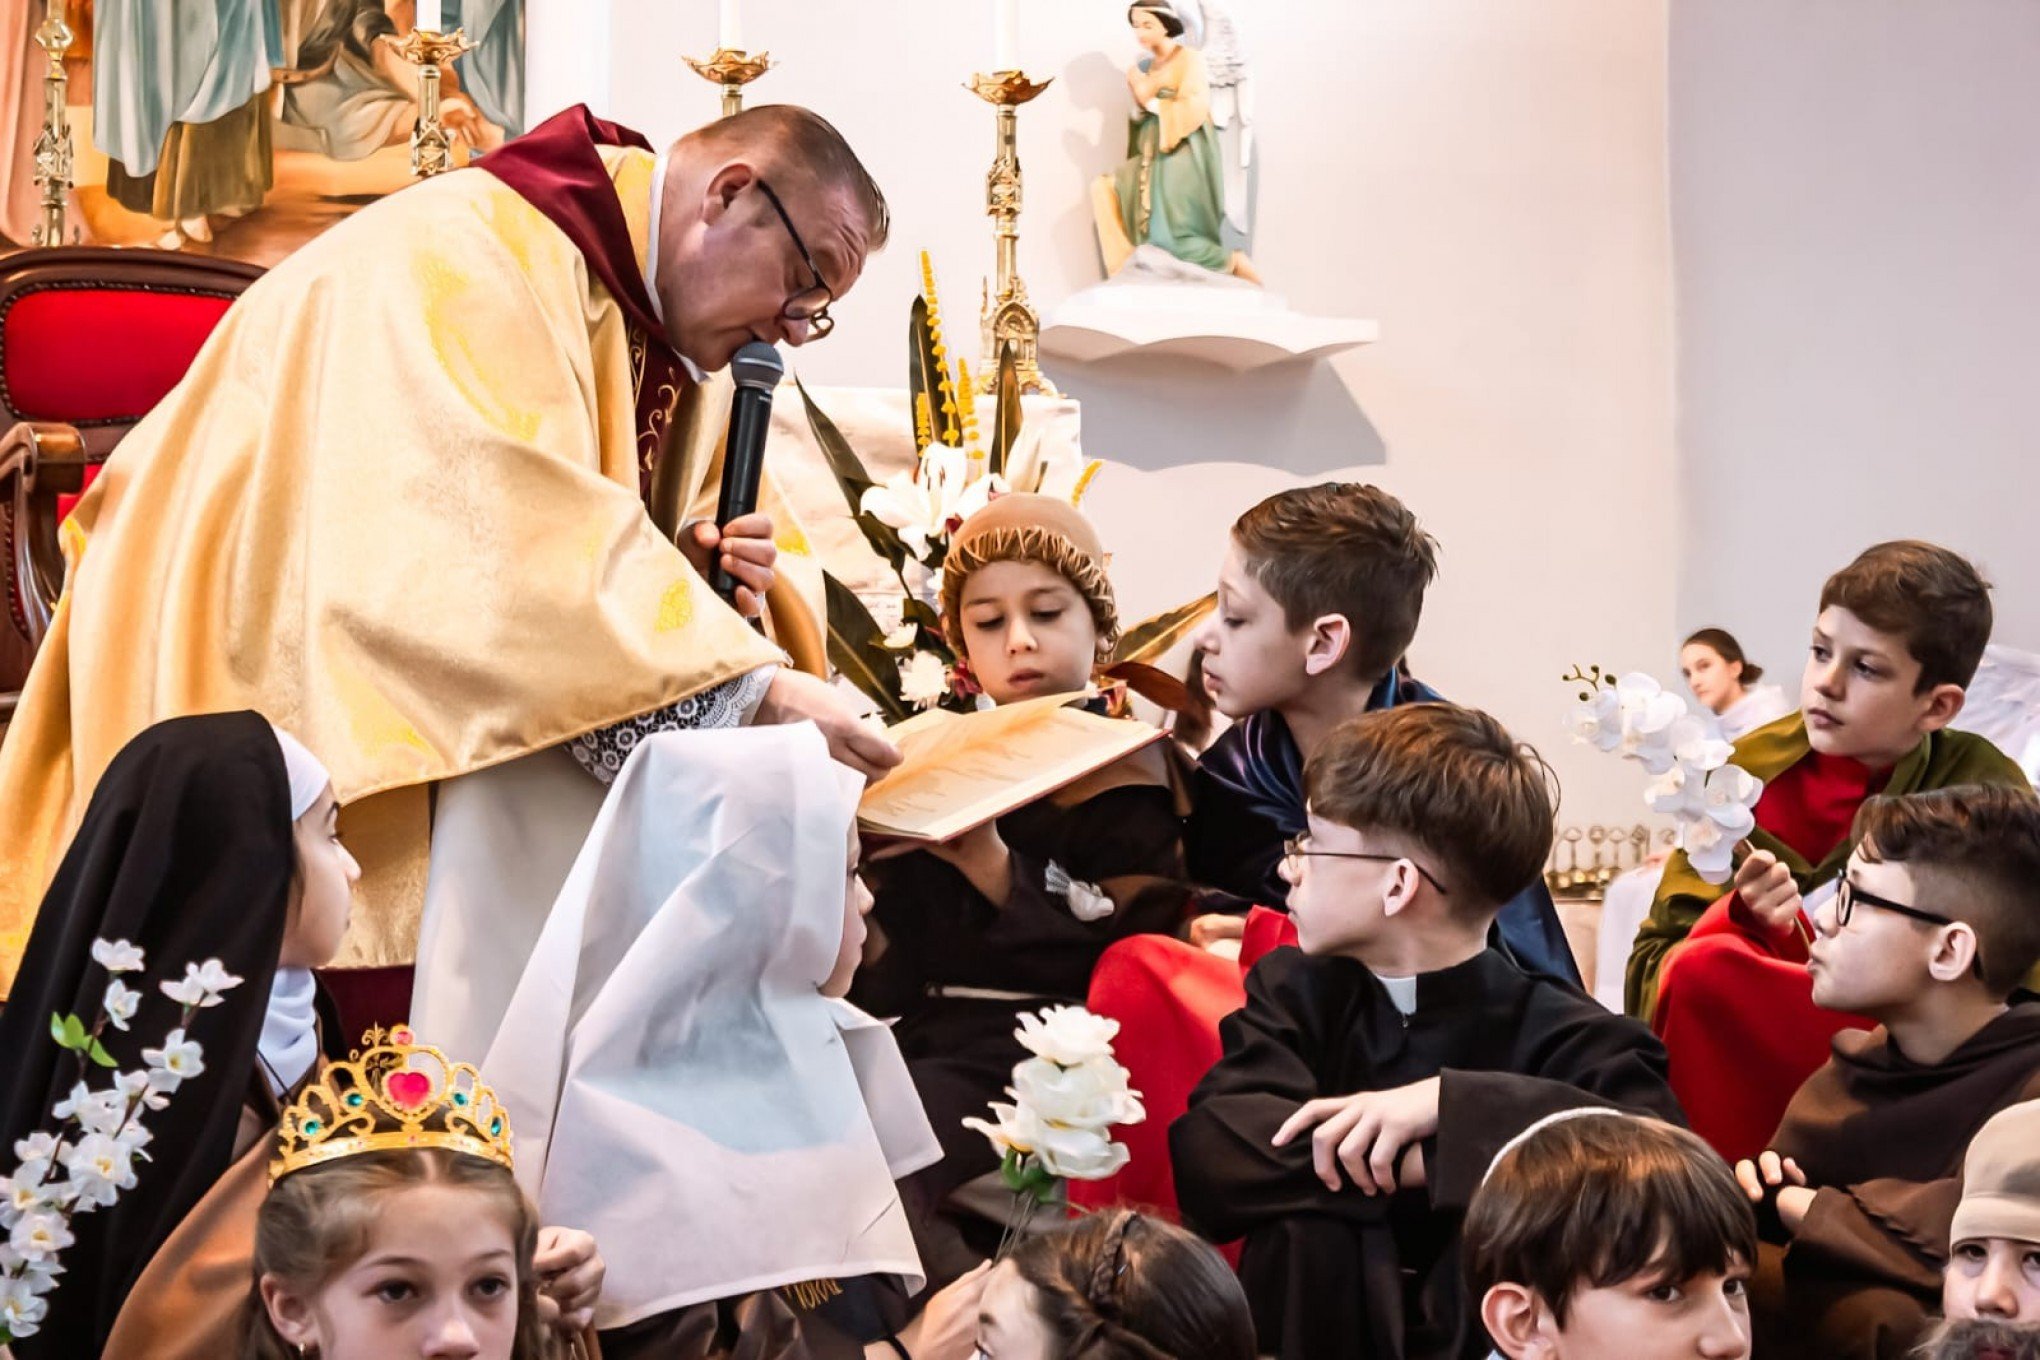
(756,369)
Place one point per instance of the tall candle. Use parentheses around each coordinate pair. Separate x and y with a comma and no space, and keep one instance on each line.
(730,33)
(1005,35)
(428,16)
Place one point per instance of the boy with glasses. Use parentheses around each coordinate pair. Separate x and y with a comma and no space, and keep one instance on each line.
(1376,1070)
(1933,927)
(1722,978)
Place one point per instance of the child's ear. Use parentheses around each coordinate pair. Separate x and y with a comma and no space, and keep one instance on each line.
(1943,703)
(1954,954)
(1331,636)
(289,1314)
(1518,1322)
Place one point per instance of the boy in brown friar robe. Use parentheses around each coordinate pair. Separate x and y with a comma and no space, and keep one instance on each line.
(1376,1069)
(1935,923)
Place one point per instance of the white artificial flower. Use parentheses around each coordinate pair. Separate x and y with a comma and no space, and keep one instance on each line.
(1677,793)
(121,1001)
(22,1305)
(1017,1130)
(1697,744)
(1079,1154)
(201,984)
(37,1153)
(135,1086)
(1598,719)
(96,1111)
(926,508)
(117,956)
(1649,716)
(1087,901)
(40,1234)
(18,1196)
(1091,1095)
(175,1063)
(1067,1035)
(923,582)
(101,1168)
(923,679)
(1709,849)
(901,638)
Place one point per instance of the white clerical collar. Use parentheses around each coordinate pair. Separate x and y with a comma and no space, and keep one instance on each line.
(1402,992)
(651,263)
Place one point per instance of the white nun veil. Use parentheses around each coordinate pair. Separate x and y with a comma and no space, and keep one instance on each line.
(678,1085)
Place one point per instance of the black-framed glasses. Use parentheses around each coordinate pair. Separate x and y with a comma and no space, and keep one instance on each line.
(1847,895)
(1298,847)
(810,305)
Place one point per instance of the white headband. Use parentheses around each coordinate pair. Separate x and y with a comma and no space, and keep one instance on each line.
(308,778)
(1577,1112)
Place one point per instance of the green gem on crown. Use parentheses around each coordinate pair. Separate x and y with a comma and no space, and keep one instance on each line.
(495,1126)
(355,1100)
(460,1097)
(311,1126)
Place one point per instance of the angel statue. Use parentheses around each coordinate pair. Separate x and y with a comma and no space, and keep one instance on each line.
(1179,190)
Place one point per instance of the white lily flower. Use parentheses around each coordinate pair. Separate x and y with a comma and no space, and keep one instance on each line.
(923,679)
(1597,720)
(117,956)
(926,508)
(120,1003)
(923,582)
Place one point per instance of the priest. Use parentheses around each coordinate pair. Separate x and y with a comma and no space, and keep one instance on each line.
(396,506)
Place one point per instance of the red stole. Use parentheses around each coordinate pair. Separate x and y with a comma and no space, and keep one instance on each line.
(556,168)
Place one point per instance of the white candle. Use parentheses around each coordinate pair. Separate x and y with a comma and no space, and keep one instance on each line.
(731,30)
(428,16)
(1005,35)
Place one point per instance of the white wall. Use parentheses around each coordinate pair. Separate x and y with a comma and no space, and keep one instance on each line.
(1856,211)
(1486,179)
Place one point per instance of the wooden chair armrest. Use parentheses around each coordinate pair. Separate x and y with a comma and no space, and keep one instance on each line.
(39,461)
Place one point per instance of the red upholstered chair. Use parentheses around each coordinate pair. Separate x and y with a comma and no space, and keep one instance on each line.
(90,339)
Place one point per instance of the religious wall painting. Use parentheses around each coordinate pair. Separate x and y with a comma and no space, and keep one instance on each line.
(1180,205)
(245,127)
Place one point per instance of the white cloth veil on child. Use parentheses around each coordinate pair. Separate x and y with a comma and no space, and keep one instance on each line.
(679,1086)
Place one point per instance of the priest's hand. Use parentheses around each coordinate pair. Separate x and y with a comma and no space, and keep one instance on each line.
(796,696)
(570,1272)
(1768,892)
(746,552)
(1364,1133)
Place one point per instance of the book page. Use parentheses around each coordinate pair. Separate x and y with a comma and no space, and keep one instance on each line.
(960,770)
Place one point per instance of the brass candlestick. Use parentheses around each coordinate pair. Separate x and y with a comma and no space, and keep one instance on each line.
(428,51)
(732,70)
(1007,314)
(52,149)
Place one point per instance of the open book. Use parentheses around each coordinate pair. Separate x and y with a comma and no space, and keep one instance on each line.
(960,770)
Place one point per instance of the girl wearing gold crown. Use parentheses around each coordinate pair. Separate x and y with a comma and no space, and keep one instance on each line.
(357,1256)
(1015,913)
(689,1086)
(210,835)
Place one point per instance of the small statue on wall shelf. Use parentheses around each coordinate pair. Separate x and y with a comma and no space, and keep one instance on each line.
(1180,191)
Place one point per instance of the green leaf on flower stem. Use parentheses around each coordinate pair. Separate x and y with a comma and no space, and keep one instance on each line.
(68,1031)
(99,1055)
(857,649)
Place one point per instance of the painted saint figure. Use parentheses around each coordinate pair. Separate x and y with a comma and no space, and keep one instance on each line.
(1170,192)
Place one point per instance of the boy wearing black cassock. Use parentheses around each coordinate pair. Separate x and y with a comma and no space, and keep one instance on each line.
(1376,1070)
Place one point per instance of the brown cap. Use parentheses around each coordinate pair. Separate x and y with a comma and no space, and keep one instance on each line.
(2001,1179)
(1025,527)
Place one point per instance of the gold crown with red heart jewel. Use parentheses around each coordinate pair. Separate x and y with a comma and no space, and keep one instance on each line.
(392,1092)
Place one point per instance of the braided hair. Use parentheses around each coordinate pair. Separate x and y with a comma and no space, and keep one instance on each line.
(1127,1286)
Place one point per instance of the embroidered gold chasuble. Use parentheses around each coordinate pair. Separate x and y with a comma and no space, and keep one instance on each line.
(395,507)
